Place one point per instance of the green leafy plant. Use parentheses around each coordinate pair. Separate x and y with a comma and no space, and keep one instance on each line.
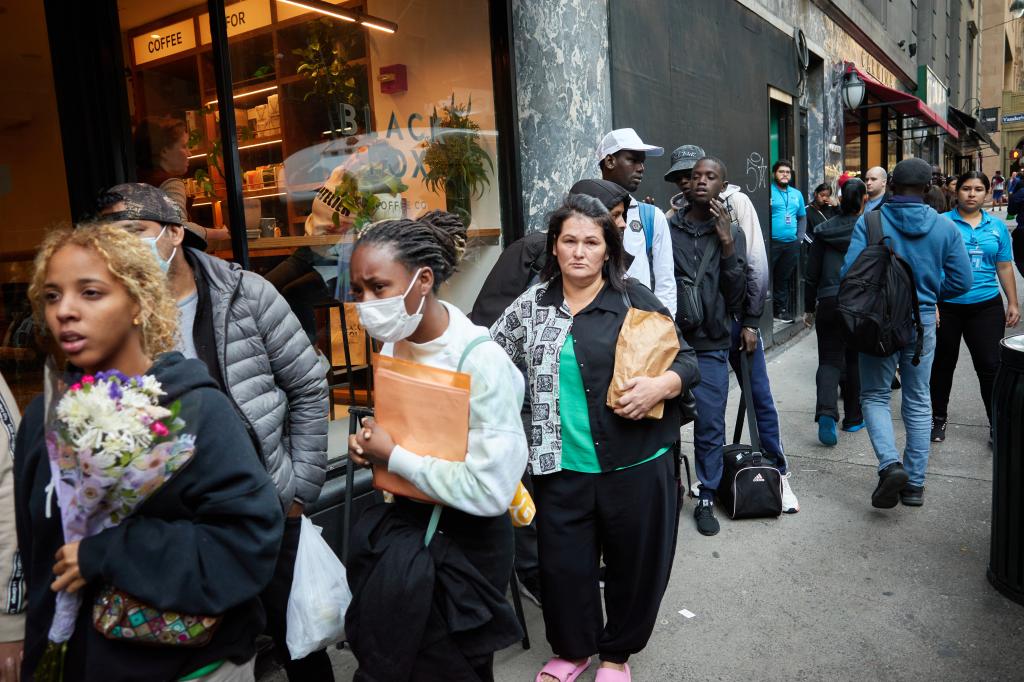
(455,160)
(360,198)
(326,63)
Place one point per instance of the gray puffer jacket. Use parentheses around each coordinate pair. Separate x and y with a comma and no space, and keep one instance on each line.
(272,376)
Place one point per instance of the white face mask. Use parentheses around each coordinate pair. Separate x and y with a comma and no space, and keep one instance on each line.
(387,320)
(165,264)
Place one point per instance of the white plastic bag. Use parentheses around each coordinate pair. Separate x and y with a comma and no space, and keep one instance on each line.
(319,597)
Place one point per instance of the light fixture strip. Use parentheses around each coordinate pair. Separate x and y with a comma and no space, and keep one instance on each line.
(366,20)
(259,144)
(245,94)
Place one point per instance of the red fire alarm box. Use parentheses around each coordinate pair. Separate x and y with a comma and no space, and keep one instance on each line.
(393,79)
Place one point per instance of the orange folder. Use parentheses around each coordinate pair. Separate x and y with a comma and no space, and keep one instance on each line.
(426,411)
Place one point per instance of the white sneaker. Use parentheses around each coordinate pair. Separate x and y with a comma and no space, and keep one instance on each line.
(790,505)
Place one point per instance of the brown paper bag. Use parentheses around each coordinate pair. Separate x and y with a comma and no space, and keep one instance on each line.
(426,411)
(646,347)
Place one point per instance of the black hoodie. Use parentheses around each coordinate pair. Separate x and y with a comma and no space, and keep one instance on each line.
(831,241)
(206,542)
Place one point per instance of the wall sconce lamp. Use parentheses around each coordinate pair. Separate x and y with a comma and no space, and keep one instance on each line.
(854,90)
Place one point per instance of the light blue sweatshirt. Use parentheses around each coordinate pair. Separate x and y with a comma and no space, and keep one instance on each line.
(931,245)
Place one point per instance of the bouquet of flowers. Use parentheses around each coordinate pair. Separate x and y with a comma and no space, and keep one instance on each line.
(111,445)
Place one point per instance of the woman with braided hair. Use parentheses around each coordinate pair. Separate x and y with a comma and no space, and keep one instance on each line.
(436,612)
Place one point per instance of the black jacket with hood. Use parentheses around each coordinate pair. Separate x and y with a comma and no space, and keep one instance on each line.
(724,287)
(831,240)
(206,542)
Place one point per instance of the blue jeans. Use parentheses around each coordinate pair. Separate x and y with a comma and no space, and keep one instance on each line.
(875,391)
(764,404)
(711,395)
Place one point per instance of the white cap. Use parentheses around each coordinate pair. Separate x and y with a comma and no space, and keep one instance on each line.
(625,138)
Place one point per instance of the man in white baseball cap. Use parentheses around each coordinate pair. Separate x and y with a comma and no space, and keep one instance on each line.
(621,157)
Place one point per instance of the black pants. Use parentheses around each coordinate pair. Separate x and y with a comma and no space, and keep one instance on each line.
(1017,241)
(315,667)
(629,516)
(784,259)
(297,280)
(981,325)
(837,368)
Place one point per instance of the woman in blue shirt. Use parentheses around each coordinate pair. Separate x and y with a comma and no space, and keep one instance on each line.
(977,316)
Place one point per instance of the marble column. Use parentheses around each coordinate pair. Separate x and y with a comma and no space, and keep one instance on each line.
(564,92)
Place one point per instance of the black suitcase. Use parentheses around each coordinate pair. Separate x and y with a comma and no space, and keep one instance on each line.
(751,488)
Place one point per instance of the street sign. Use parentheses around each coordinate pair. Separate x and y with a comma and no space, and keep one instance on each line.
(989,118)
(1013,118)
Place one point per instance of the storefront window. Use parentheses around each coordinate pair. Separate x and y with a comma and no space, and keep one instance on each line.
(33,193)
(383,109)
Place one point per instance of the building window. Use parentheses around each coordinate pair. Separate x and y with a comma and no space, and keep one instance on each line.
(383,118)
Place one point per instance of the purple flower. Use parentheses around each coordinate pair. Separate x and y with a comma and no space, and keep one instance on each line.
(115,391)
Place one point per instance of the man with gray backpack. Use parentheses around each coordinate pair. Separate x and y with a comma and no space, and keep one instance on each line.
(903,259)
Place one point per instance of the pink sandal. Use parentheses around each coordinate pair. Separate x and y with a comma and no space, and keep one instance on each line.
(612,675)
(562,670)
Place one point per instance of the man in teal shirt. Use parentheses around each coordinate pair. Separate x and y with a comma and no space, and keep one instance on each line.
(789,222)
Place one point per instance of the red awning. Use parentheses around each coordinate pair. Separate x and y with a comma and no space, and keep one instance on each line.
(903,102)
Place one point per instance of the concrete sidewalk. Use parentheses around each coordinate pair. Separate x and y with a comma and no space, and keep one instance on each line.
(840,591)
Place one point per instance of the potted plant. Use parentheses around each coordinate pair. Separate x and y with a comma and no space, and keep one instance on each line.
(326,62)
(362,196)
(455,160)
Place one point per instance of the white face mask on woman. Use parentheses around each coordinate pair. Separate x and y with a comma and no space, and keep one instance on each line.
(387,320)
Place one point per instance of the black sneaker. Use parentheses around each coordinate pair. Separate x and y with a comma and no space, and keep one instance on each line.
(912,495)
(529,587)
(785,316)
(891,480)
(938,430)
(704,515)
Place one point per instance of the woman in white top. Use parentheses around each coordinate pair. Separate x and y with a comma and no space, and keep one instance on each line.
(396,268)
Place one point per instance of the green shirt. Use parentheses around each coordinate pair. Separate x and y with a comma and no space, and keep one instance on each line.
(578,452)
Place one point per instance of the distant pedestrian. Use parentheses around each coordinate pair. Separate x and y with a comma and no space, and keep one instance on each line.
(949,189)
(931,245)
(820,209)
(837,364)
(789,223)
(704,237)
(976,316)
(998,188)
(621,158)
(876,180)
(936,198)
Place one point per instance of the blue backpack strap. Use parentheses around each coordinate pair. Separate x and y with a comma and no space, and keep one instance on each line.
(647,220)
(435,515)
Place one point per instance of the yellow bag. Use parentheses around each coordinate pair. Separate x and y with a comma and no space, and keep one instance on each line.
(646,347)
(522,510)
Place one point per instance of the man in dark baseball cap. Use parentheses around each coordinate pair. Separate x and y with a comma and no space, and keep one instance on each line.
(931,244)
(136,201)
(683,159)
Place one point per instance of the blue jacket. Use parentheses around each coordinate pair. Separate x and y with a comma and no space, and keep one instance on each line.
(929,242)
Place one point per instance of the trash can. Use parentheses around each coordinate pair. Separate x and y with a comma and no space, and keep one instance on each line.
(1006,559)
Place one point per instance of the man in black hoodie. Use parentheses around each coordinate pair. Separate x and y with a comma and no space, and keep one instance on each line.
(705,238)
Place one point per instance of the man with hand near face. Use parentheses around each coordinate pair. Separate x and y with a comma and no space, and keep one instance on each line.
(704,232)
(621,157)
(746,337)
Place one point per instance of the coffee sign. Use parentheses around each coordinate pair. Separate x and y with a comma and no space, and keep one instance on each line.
(164,41)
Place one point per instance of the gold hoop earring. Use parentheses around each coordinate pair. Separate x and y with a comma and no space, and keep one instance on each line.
(135,322)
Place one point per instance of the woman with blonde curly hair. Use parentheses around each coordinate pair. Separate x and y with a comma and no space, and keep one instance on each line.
(203,543)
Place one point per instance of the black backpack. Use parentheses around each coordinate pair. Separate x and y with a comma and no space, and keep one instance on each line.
(878,309)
